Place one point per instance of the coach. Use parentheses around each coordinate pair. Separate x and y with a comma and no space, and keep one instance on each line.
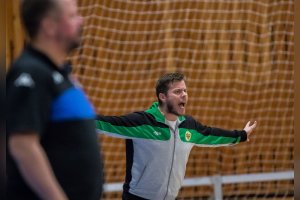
(159,141)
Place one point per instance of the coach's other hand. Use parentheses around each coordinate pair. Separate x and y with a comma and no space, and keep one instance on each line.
(249,128)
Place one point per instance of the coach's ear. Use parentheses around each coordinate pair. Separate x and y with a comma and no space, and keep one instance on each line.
(49,26)
(162,97)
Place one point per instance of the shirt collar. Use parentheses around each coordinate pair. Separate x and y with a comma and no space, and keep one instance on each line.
(158,115)
(65,69)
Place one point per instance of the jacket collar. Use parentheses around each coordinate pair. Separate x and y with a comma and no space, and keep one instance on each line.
(65,69)
(158,115)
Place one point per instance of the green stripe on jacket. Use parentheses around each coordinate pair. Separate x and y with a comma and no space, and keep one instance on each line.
(142,131)
(193,136)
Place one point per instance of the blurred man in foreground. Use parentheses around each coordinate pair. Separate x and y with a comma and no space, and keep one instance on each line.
(53,152)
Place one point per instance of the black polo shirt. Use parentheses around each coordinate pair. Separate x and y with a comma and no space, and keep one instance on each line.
(41,97)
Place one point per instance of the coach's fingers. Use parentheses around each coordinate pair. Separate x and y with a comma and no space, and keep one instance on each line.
(248,123)
(250,128)
(247,126)
(253,126)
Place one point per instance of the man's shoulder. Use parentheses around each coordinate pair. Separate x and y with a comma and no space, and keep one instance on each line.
(30,65)
(189,121)
(189,118)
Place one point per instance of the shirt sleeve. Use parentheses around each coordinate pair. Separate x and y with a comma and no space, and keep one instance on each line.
(202,135)
(131,126)
(28,102)
(119,126)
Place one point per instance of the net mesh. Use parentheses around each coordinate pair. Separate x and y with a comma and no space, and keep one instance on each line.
(238,58)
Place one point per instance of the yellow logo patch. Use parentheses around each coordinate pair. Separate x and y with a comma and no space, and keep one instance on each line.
(188,136)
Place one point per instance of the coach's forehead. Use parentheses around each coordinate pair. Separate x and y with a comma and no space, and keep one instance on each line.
(177,85)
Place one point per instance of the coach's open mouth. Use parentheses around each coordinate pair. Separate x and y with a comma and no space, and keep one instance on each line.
(181,105)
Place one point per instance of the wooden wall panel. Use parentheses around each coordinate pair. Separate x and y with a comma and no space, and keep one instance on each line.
(14,31)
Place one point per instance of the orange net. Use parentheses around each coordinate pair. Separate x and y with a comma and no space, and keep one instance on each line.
(238,59)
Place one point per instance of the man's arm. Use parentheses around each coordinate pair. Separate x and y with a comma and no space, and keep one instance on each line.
(34,165)
(214,137)
(118,126)
(131,126)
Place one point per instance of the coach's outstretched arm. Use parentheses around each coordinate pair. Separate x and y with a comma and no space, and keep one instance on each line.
(214,137)
(131,126)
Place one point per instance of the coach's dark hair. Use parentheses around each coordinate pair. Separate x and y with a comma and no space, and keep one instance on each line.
(32,13)
(162,85)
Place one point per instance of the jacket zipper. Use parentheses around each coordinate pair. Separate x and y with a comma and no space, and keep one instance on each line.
(174,133)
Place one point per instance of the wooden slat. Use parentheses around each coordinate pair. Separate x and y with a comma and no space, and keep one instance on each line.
(14,33)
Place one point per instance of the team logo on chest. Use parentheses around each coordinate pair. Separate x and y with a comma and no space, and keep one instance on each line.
(188,135)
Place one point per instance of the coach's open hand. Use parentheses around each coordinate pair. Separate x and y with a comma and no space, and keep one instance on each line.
(249,128)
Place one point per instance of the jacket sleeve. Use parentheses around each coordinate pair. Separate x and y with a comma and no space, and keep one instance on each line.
(130,126)
(213,137)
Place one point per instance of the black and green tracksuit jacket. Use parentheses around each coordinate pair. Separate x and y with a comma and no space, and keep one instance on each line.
(156,155)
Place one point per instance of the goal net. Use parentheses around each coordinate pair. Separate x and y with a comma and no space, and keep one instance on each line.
(238,58)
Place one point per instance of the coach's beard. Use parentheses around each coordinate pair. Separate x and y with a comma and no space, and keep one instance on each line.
(171,109)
